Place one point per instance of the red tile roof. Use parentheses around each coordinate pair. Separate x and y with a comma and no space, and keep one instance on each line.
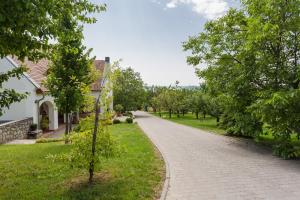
(37,71)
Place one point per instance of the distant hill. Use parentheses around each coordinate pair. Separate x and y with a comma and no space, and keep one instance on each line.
(190,87)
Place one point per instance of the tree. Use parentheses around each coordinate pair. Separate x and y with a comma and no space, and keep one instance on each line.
(71,72)
(167,99)
(252,56)
(214,108)
(198,103)
(231,70)
(26,29)
(151,97)
(128,89)
(103,102)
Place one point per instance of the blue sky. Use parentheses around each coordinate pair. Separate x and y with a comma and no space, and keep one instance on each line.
(148,34)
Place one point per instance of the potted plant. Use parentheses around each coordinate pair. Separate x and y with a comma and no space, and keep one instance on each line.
(44,123)
(33,127)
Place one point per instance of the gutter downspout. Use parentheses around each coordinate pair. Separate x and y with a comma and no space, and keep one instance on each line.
(38,109)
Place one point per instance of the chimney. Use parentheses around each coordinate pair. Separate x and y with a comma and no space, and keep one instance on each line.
(107,60)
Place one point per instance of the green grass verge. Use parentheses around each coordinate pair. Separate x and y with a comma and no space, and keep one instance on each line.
(207,124)
(137,173)
(270,140)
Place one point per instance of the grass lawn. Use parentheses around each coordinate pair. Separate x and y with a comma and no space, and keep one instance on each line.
(269,140)
(208,124)
(137,173)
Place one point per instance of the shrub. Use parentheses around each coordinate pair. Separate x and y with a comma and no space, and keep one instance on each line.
(116,121)
(119,108)
(129,120)
(129,114)
(48,140)
(85,124)
(80,154)
(286,150)
(44,123)
(33,127)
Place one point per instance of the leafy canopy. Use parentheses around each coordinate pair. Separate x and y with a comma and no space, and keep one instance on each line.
(128,89)
(30,29)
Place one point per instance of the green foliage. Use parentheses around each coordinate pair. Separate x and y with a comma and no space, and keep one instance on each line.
(252,56)
(84,124)
(27,29)
(286,150)
(28,26)
(137,174)
(116,121)
(129,120)
(128,89)
(81,154)
(71,73)
(49,140)
(128,113)
(45,123)
(33,127)
(198,103)
(280,111)
(208,123)
(119,108)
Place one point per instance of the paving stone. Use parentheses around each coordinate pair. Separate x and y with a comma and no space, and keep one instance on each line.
(209,166)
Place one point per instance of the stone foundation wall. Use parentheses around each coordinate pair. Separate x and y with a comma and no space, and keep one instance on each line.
(14,130)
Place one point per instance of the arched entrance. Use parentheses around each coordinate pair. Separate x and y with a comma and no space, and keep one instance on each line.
(48,116)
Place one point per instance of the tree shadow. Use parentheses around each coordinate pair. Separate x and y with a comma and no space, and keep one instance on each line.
(105,186)
(138,116)
(248,144)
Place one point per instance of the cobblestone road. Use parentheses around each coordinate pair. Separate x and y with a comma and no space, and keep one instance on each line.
(208,166)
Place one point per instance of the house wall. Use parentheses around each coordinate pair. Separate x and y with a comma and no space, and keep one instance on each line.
(27,107)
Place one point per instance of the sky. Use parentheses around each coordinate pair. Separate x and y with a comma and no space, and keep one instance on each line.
(148,34)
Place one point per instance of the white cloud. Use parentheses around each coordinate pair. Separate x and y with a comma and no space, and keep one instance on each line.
(156,2)
(210,9)
(171,4)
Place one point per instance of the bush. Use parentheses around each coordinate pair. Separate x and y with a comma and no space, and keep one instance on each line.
(286,150)
(33,127)
(85,124)
(119,108)
(44,123)
(116,121)
(48,140)
(129,120)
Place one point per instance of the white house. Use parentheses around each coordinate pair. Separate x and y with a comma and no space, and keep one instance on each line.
(38,102)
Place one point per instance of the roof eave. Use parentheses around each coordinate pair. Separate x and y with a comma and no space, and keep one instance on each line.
(26,75)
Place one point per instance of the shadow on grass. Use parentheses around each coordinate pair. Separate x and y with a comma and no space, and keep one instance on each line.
(103,187)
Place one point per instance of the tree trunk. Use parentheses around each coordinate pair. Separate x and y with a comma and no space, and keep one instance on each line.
(218,119)
(67,128)
(204,115)
(197,115)
(70,122)
(96,124)
(178,115)
(170,113)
